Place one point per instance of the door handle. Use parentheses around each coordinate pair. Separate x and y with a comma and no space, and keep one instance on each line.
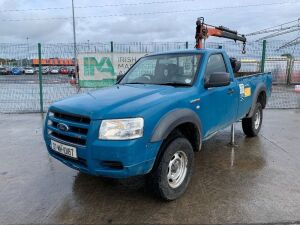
(230,91)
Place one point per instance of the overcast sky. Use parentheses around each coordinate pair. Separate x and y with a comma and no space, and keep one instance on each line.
(108,23)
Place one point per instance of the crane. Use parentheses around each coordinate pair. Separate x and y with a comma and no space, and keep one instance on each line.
(204,31)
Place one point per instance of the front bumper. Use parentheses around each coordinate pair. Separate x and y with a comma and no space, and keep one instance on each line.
(97,157)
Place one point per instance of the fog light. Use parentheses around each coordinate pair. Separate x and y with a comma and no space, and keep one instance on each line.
(49,123)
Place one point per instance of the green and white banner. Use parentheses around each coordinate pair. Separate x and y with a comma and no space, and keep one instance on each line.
(101,69)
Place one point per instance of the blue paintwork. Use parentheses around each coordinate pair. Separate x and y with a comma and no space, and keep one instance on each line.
(151,102)
(16,71)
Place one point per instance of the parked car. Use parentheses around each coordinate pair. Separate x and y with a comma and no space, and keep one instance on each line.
(63,70)
(45,70)
(28,70)
(17,71)
(4,70)
(9,68)
(71,71)
(36,70)
(54,70)
(156,117)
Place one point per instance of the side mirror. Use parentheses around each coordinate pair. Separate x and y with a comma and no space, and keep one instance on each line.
(119,77)
(217,79)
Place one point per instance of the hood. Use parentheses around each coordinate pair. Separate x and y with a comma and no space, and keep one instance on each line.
(127,100)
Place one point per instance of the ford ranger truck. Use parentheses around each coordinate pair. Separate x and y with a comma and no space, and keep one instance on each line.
(154,119)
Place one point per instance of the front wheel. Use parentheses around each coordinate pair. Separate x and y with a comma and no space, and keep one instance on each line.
(251,126)
(174,170)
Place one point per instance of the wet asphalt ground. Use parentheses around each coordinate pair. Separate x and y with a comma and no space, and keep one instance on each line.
(258,181)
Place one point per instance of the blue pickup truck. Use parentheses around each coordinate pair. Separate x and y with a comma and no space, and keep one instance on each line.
(156,117)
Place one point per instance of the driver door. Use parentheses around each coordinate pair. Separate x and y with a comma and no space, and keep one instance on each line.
(218,104)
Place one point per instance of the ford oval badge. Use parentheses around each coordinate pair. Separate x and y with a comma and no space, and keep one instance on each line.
(63,127)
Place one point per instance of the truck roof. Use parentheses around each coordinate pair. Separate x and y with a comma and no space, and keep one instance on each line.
(184,51)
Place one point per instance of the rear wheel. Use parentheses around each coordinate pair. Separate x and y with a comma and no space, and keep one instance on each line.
(173,172)
(251,126)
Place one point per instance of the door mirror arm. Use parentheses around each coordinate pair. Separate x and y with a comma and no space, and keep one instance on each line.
(119,78)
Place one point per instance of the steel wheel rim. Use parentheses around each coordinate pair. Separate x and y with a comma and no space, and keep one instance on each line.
(257,120)
(177,169)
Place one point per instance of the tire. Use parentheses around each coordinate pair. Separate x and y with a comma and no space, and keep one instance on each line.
(251,126)
(178,154)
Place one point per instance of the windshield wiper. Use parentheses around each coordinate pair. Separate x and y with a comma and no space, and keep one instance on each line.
(134,83)
(176,84)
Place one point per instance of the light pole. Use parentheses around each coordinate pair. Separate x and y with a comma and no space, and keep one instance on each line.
(89,55)
(27,38)
(74,39)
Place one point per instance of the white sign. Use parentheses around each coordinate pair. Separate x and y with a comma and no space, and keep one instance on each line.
(101,69)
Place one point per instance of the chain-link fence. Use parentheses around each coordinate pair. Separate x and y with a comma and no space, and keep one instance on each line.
(19,80)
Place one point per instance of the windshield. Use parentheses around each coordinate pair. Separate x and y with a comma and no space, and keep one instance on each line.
(171,69)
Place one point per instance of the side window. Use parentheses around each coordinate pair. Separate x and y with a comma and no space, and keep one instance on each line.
(215,64)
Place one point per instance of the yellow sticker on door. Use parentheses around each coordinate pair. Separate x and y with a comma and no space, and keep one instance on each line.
(247,92)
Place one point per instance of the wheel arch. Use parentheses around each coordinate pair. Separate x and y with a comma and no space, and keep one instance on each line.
(185,121)
(259,95)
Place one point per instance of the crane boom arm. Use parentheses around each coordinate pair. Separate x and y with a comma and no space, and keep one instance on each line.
(204,31)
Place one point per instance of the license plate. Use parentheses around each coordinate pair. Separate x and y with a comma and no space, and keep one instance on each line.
(64,149)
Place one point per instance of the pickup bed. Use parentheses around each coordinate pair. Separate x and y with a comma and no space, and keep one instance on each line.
(156,117)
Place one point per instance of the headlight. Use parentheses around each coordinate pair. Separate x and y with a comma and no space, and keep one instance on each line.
(121,129)
(50,114)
